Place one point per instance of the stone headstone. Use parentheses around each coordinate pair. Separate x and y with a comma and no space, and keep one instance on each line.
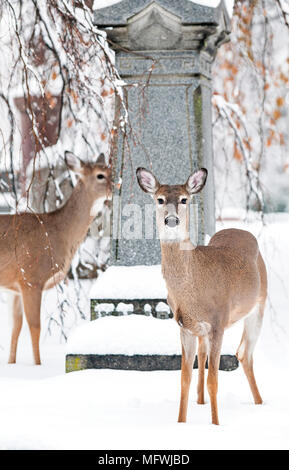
(175,42)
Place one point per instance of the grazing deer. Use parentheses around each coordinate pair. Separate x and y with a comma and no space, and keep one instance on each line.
(209,287)
(36,249)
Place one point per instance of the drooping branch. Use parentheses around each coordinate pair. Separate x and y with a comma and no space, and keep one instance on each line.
(249,75)
(284,11)
(235,119)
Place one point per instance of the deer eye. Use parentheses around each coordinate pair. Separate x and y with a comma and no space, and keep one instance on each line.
(100,177)
(160,201)
(184,201)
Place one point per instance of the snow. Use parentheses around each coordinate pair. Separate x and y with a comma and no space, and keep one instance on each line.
(41,407)
(136,334)
(138,410)
(130,282)
(162,307)
(129,335)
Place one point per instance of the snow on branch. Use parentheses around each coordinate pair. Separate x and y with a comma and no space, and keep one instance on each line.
(62,68)
(251,73)
(284,10)
(234,117)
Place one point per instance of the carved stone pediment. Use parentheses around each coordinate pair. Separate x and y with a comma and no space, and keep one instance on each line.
(158,25)
(154,27)
(189,12)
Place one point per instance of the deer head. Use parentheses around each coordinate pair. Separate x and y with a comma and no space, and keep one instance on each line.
(172,202)
(95,176)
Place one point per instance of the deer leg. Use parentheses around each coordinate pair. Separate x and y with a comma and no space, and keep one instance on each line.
(202,357)
(252,328)
(188,357)
(32,305)
(212,381)
(17,325)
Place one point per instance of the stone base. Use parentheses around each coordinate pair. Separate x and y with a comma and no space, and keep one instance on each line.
(76,362)
(131,341)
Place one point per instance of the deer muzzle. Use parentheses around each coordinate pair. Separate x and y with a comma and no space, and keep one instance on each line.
(172,221)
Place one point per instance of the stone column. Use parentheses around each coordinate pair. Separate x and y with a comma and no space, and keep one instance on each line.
(179,39)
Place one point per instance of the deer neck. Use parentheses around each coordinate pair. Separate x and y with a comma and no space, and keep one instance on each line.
(176,259)
(77,214)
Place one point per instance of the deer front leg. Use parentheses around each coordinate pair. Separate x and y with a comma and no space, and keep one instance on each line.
(188,357)
(32,305)
(17,325)
(212,381)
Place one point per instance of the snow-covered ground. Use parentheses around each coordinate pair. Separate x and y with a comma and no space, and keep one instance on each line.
(41,407)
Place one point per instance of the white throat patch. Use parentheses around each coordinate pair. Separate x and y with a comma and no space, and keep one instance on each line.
(97,206)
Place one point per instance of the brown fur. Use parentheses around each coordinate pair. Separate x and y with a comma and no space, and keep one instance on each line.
(36,249)
(209,289)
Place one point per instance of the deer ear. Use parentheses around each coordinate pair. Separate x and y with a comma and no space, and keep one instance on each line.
(73,162)
(101,160)
(196,181)
(147,181)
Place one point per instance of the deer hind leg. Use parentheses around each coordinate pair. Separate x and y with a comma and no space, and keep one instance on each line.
(17,325)
(188,357)
(216,339)
(32,305)
(202,357)
(252,328)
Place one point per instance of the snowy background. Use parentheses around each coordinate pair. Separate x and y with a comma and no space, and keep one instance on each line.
(42,407)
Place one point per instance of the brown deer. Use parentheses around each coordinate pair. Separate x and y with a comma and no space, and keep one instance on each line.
(209,287)
(36,249)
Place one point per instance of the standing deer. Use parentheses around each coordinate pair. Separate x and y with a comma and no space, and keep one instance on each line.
(209,287)
(36,249)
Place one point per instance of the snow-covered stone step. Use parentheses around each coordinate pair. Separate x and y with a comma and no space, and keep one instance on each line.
(130,289)
(135,342)
(130,282)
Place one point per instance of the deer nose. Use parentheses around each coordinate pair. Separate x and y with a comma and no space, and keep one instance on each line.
(172,221)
